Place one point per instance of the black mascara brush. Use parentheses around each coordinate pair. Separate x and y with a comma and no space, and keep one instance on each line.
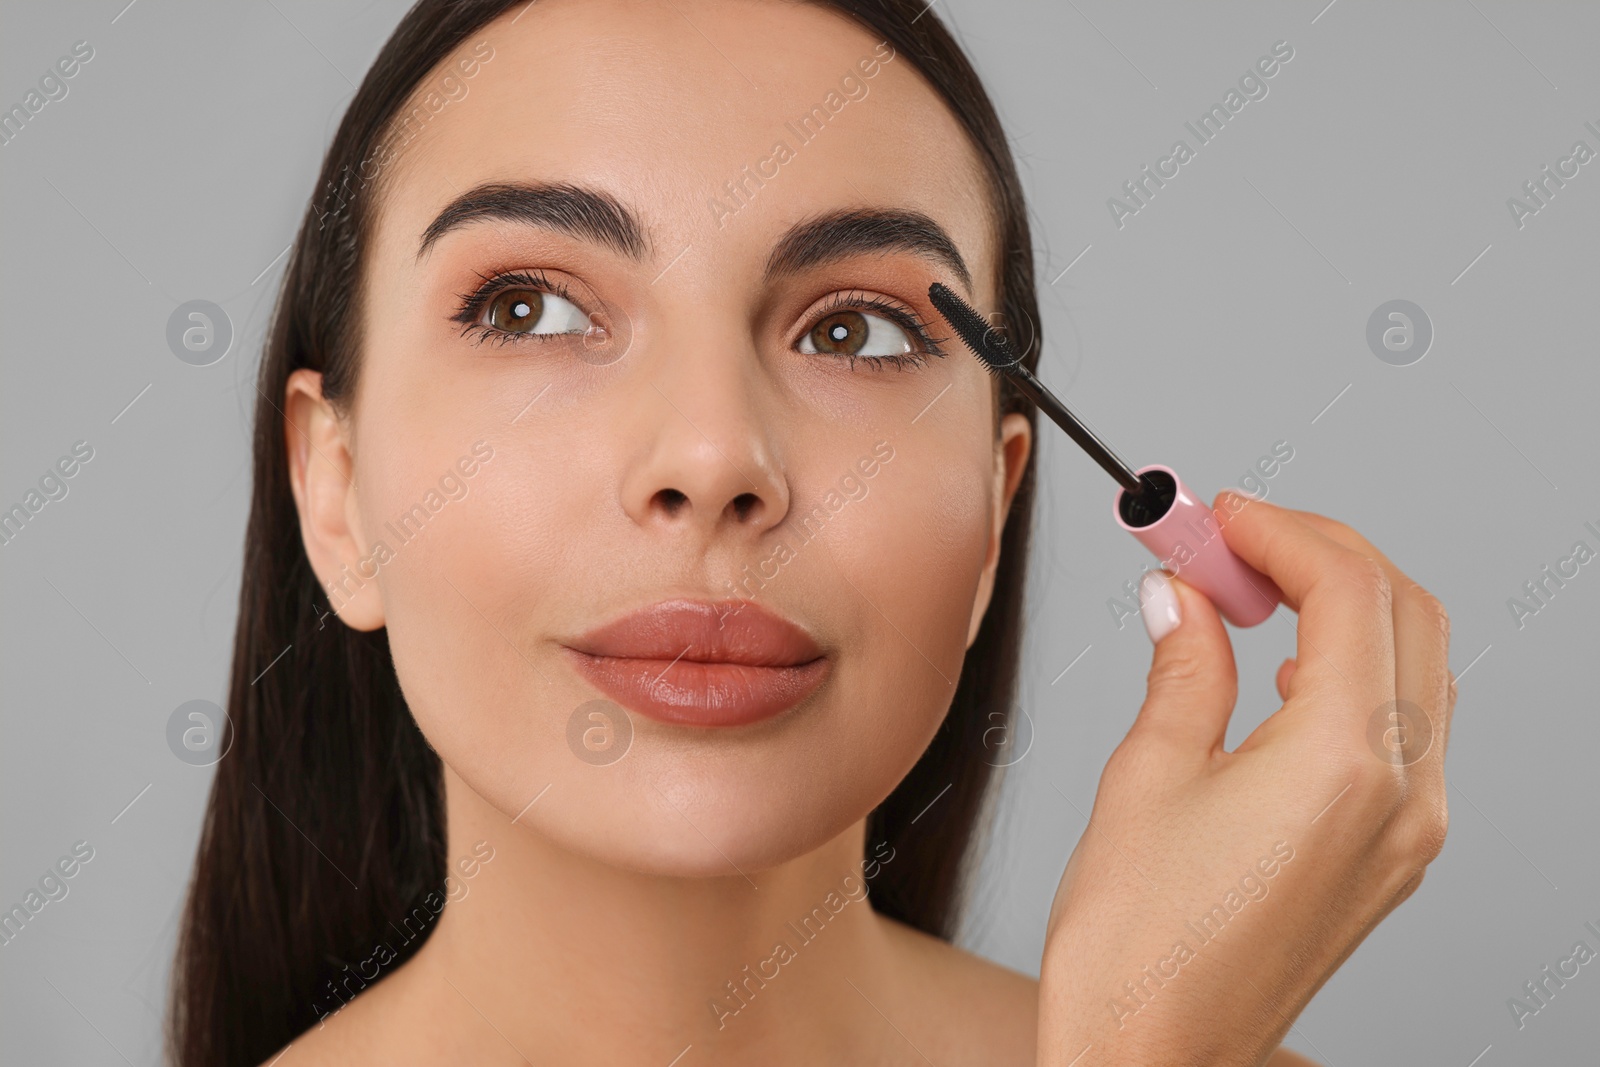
(995,354)
(1153,504)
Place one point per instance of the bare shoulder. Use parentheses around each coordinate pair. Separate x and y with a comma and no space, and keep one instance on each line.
(977,1011)
(1285,1058)
(377,1026)
(345,1036)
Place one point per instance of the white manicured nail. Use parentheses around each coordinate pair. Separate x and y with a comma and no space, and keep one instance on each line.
(1158,603)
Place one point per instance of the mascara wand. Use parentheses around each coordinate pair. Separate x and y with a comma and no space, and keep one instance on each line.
(996,355)
(1153,504)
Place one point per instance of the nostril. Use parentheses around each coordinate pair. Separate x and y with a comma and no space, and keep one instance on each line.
(671,500)
(744,505)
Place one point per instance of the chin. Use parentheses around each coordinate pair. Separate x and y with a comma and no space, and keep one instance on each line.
(706,802)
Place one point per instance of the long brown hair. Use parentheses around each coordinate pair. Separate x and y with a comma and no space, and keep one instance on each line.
(325,822)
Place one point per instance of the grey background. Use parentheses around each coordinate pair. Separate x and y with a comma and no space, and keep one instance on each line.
(1225,316)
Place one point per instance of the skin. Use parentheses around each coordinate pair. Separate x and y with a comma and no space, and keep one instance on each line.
(621,899)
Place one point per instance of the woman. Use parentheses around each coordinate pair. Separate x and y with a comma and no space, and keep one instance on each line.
(644,568)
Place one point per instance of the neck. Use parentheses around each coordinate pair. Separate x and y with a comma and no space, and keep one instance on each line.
(563,953)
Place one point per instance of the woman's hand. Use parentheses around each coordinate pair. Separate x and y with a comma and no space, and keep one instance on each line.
(1214,892)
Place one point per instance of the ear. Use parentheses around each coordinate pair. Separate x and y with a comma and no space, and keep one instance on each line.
(1010,459)
(321,474)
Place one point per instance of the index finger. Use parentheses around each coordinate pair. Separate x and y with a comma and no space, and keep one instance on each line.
(1421,636)
(1345,633)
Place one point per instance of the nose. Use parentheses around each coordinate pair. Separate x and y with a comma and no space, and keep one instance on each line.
(707,460)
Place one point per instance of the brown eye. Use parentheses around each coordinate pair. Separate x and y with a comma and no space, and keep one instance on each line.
(841,333)
(853,333)
(516,310)
(530,311)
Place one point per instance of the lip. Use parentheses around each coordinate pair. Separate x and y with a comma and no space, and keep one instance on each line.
(702,663)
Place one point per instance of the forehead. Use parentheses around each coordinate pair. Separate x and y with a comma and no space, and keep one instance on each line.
(718,122)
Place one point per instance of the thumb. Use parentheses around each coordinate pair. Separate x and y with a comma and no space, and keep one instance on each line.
(1193,681)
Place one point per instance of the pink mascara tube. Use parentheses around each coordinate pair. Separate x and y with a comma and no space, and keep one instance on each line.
(1152,504)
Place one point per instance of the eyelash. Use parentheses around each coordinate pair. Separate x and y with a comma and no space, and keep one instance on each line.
(472,304)
(899,314)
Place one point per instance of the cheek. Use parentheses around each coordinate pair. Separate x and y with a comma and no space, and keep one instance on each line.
(469,580)
(912,552)
(931,550)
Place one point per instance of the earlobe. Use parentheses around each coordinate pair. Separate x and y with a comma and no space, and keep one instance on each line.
(1011,459)
(321,476)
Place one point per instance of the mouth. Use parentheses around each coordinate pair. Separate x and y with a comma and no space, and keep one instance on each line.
(702,663)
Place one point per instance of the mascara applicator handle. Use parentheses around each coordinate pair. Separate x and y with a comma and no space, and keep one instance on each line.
(1186,536)
(1152,503)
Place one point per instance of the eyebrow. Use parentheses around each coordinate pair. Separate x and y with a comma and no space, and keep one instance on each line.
(571,209)
(589,214)
(840,234)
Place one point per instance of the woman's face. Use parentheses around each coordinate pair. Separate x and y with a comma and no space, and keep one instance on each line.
(703,395)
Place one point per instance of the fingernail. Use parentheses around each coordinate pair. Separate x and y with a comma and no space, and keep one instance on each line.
(1158,603)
